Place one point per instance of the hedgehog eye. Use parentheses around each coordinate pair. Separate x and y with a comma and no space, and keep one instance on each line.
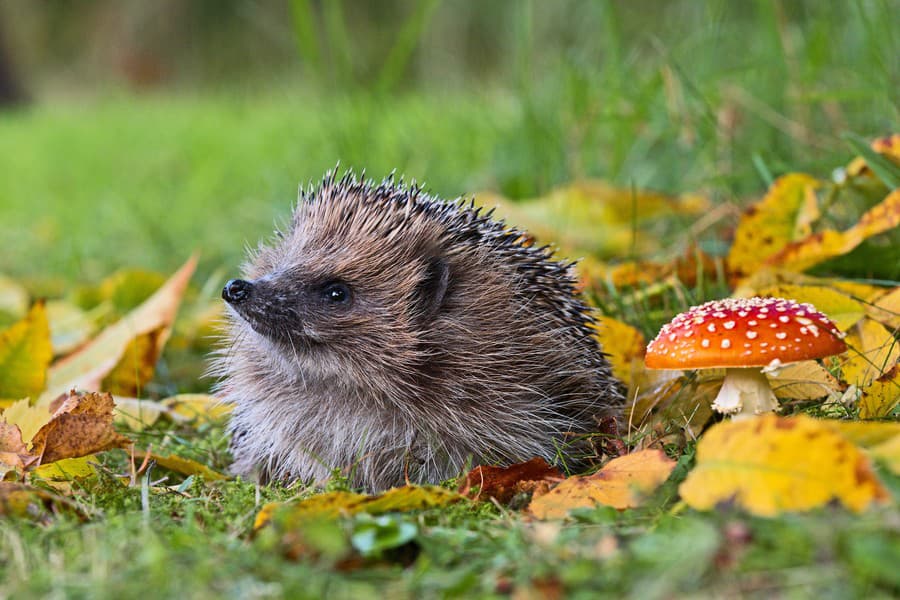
(336,293)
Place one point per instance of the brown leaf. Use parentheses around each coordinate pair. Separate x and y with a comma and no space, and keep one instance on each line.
(502,483)
(622,483)
(14,456)
(86,368)
(81,425)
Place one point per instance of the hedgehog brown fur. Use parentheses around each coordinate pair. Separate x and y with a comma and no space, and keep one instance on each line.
(397,336)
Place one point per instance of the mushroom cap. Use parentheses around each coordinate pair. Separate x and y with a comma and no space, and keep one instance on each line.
(744,332)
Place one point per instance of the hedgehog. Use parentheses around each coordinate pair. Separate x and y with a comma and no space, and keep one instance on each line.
(392,336)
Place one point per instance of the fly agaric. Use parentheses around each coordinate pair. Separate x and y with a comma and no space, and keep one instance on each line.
(743,335)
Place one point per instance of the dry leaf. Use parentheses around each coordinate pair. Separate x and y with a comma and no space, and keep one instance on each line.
(135,367)
(804,380)
(182,465)
(879,399)
(625,346)
(785,214)
(29,419)
(70,326)
(26,502)
(202,408)
(769,465)
(86,368)
(838,306)
(14,456)
(25,353)
(886,309)
(502,483)
(13,298)
(622,483)
(334,504)
(821,246)
(768,277)
(81,425)
(873,350)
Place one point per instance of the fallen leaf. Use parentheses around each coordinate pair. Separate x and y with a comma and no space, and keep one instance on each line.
(823,245)
(138,414)
(886,309)
(136,365)
(86,368)
(502,483)
(25,354)
(27,417)
(769,465)
(14,456)
(836,305)
(622,483)
(625,346)
(68,469)
(888,452)
(182,465)
(23,501)
(880,397)
(768,277)
(334,504)
(873,350)
(804,380)
(785,214)
(81,425)
(202,408)
(865,435)
(70,326)
(13,299)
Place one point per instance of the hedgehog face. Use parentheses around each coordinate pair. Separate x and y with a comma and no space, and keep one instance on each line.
(319,295)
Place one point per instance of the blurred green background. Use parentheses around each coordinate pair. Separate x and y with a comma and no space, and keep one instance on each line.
(135,132)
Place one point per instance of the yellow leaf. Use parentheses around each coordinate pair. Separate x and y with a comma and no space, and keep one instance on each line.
(872,352)
(23,501)
(70,327)
(886,309)
(804,380)
(682,401)
(13,299)
(622,483)
(819,247)
(25,353)
(769,277)
(68,469)
(138,414)
(572,215)
(199,407)
(182,465)
(86,368)
(889,453)
(81,425)
(880,398)
(769,465)
(625,346)
(864,435)
(839,307)
(334,504)
(136,365)
(782,216)
(29,419)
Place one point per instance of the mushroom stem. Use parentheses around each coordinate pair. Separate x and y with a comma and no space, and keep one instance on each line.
(744,393)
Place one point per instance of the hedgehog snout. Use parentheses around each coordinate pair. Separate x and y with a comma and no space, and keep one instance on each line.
(236,291)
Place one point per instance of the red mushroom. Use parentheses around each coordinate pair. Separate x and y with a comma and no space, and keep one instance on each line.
(742,335)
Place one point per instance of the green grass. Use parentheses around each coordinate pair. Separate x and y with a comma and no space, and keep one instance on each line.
(715,97)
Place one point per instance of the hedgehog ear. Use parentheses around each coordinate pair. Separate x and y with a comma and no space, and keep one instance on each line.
(432,289)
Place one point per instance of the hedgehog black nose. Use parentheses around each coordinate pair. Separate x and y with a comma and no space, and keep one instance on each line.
(236,291)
